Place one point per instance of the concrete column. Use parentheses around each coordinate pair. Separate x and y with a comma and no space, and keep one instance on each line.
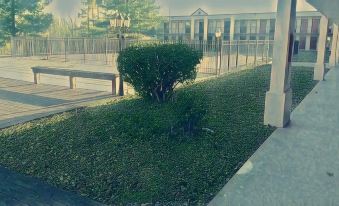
(319,69)
(334,46)
(298,23)
(192,28)
(337,53)
(232,28)
(279,99)
(309,31)
(205,27)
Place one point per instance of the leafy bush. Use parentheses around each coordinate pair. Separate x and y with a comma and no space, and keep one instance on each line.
(189,109)
(154,70)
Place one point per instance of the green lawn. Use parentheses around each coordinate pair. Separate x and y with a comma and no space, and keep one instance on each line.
(122,152)
(309,56)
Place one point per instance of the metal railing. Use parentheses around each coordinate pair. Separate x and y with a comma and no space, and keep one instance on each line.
(218,56)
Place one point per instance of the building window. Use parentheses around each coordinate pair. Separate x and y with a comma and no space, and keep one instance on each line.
(227,30)
(174,27)
(243,30)
(237,27)
(201,30)
(302,43)
(212,26)
(166,28)
(253,30)
(297,25)
(304,26)
(272,29)
(181,29)
(243,27)
(188,27)
(262,29)
(314,42)
(315,26)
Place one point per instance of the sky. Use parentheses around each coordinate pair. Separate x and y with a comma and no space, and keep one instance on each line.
(70,8)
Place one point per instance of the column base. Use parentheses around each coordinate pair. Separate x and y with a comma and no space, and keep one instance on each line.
(278,108)
(319,72)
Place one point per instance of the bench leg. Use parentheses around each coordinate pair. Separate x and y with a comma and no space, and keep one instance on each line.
(36,78)
(114,87)
(121,87)
(72,82)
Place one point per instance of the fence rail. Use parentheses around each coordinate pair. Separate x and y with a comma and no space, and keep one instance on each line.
(218,56)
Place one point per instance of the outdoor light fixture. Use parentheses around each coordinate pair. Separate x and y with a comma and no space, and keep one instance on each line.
(218,34)
(121,23)
(127,22)
(218,45)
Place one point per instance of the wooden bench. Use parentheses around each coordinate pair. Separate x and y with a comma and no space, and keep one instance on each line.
(72,74)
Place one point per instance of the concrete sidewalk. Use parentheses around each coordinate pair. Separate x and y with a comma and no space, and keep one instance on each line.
(298,165)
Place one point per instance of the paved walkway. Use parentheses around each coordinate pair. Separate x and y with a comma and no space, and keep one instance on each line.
(298,165)
(23,101)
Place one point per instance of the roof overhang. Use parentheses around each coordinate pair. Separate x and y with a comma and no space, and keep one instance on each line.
(328,7)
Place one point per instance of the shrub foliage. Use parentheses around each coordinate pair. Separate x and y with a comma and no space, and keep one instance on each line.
(154,70)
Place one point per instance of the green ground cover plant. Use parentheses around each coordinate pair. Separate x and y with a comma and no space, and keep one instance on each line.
(139,151)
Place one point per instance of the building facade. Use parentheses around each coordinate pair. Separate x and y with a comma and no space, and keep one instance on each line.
(247,26)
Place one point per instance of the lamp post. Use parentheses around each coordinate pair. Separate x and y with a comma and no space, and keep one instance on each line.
(218,51)
(121,23)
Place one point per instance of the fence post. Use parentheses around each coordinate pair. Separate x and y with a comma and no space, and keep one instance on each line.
(121,47)
(25,47)
(65,42)
(12,47)
(229,56)
(256,53)
(237,57)
(263,51)
(47,47)
(216,56)
(84,47)
(220,53)
(50,47)
(247,52)
(106,48)
(268,51)
(33,46)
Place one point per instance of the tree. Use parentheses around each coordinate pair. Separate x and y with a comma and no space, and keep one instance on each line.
(19,17)
(62,27)
(144,14)
(92,15)
(96,15)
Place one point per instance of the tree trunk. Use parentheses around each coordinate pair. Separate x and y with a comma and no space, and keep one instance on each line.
(13,26)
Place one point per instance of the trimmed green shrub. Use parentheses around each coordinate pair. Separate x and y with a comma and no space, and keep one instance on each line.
(154,70)
(189,109)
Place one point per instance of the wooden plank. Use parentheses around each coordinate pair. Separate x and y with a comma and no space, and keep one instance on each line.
(74,73)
